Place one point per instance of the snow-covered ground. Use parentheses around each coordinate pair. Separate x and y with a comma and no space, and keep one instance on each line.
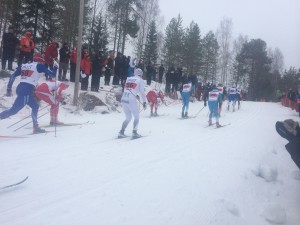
(180,173)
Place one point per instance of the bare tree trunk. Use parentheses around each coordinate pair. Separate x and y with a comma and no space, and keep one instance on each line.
(116,32)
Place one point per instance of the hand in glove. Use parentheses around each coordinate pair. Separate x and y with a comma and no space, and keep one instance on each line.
(63,103)
(205,104)
(8,93)
(145,105)
(55,63)
(82,74)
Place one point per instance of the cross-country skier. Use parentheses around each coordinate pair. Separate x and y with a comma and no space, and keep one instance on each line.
(221,89)
(214,101)
(186,89)
(30,74)
(238,97)
(152,97)
(232,97)
(133,86)
(51,92)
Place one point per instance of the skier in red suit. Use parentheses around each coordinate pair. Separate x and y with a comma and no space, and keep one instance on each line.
(152,97)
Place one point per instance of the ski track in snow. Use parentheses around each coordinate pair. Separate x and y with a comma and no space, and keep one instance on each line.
(181,173)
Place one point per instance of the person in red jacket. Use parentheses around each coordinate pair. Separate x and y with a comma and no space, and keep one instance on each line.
(26,51)
(86,70)
(152,97)
(51,92)
(73,61)
(50,55)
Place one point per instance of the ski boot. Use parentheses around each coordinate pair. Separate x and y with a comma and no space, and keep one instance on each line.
(151,114)
(38,130)
(155,113)
(182,115)
(121,134)
(186,115)
(209,123)
(135,134)
(218,124)
(54,121)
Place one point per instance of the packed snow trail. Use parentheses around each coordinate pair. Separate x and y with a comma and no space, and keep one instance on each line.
(181,173)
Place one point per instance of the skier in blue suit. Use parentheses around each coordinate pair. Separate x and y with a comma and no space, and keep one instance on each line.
(30,74)
(214,103)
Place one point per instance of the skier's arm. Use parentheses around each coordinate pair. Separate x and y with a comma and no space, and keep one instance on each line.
(41,68)
(12,79)
(142,90)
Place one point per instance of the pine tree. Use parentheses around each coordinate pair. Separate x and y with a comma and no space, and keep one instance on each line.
(173,46)
(150,53)
(192,48)
(209,57)
(256,67)
(99,35)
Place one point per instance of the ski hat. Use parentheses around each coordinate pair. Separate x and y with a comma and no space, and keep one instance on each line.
(28,33)
(38,57)
(291,126)
(138,72)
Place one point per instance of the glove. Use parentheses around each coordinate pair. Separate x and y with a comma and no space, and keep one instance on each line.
(82,74)
(145,105)
(8,93)
(63,103)
(205,104)
(55,63)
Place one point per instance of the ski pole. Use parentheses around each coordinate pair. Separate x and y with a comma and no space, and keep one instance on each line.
(199,111)
(25,117)
(30,122)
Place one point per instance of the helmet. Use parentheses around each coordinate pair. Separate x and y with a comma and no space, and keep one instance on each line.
(38,57)
(138,72)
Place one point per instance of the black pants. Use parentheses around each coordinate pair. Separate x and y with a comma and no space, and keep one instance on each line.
(95,81)
(84,83)
(72,71)
(8,55)
(24,57)
(107,77)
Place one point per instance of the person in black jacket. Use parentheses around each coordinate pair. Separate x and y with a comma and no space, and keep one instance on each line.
(64,57)
(9,41)
(98,67)
(289,129)
(161,71)
(118,69)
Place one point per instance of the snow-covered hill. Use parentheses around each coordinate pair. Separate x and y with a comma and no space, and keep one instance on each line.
(180,173)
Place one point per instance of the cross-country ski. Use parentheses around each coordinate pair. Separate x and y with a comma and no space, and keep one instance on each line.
(13,185)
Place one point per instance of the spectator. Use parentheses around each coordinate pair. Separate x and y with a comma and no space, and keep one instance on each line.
(9,42)
(98,67)
(109,65)
(150,71)
(118,69)
(51,54)
(86,70)
(73,61)
(161,73)
(64,56)
(290,130)
(27,47)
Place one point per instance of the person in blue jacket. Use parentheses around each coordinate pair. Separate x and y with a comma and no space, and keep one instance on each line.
(30,73)
(214,102)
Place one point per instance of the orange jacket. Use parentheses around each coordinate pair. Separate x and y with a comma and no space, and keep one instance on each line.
(86,65)
(26,44)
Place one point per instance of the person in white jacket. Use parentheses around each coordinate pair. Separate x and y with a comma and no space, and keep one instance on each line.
(134,86)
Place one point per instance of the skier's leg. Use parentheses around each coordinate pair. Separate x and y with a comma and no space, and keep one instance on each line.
(128,116)
(136,114)
(19,103)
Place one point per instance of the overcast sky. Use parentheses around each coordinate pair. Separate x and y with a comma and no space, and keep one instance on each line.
(277,22)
